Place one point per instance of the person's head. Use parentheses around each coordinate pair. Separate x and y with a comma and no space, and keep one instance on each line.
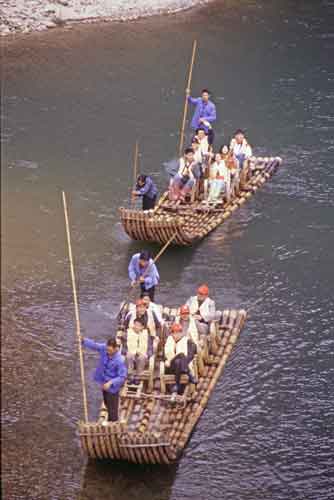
(176,330)
(146,299)
(141,179)
(218,157)
(200,132)
(223,150)
(239,136)
(144,258)
(189,154)
(138,325)
(112,346)
(205,95)
(140,307)
(202,292)
(184,312)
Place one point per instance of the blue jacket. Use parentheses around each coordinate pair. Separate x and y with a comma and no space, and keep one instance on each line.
(109,368)
(149,189)
(151,277)
(202,110)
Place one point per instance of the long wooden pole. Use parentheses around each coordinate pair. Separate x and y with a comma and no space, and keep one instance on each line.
(186,99)
(135,170)
(76,309)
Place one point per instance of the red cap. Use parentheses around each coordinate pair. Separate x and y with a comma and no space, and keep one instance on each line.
(176,327)
(184,309)
(203,290)
(140,302)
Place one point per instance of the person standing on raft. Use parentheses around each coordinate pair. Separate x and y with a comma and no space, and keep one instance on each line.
(143,271)
(111,373)
(205,113)
(146,188)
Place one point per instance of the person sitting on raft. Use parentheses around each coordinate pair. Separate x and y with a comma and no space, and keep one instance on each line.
(146,188)
(138,347)
(181,184)
(203,309)
(219,180)
(110,374)
(189,327)
(152,307)
(232,165)
(205,112)
(242,151)
(142,270)
(147,316)
(179,353)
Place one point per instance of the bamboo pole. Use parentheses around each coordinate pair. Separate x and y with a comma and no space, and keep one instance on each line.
(186,99)
(76,309)
(135,170)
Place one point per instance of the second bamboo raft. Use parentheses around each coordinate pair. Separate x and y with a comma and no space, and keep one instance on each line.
(192,222)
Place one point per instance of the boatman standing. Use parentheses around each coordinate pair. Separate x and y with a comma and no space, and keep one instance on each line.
(143,271)
(110,373)
(205,112)
(146,188)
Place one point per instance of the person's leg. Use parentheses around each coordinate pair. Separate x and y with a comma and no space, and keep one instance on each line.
(211,136)
(111,402)
(130,359)
(151,292)
(140,363)
(148,203)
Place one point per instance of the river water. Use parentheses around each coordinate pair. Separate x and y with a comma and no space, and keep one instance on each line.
(74,103)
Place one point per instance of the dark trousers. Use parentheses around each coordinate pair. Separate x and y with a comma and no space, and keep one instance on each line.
(150,291)
(179,365)
(148,203)
(111,402)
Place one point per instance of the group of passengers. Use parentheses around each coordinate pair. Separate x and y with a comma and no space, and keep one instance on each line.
(203,173)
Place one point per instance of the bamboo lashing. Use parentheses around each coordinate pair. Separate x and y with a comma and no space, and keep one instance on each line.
(76,309)
(188,89)
(135,170)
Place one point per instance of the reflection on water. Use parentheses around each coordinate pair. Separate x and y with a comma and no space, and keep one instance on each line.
(74,104)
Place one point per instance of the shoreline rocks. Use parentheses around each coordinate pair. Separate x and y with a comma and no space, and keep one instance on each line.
(27,16)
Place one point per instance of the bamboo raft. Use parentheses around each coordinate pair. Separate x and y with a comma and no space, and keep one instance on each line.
(154,426)
(192,222)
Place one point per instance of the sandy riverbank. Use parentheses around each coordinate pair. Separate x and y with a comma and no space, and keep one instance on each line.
(24,16)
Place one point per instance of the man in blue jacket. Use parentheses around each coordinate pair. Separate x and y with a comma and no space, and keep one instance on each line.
(146,188)
(205,112)
(110,373)
(144,272)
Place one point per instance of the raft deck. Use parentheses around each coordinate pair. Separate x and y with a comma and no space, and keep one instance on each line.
(154,426)
(192,222)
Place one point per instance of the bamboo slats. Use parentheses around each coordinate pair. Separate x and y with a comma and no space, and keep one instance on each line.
(154,426)
(192,222)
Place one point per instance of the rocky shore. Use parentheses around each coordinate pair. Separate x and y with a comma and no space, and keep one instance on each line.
(24,16)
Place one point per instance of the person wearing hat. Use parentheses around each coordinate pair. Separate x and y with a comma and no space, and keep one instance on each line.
(179,353)
(146,188)
(143,270)
(147,315)
(189,327)
(203,309)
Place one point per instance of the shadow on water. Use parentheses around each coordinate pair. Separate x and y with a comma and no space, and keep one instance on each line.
(120,481)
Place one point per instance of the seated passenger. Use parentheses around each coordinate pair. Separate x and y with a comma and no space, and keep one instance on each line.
(149,317)
(152,307)
(203,309)
(232,165)
(240,148)
(220,179)
(138,348)
(188,324)
(204,141)
(182,183)
(179,353)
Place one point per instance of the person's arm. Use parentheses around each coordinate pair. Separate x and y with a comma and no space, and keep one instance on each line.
(131,269)
(94,346)
(145,189)
(211,313)
(193,100)
(169,350)
(248,151)
(157,322)
(122,373)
